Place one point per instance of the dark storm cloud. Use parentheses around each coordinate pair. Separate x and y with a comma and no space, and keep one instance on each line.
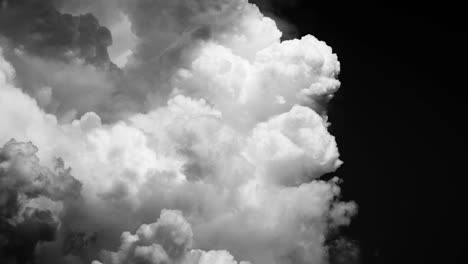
(28,194)
(40,29)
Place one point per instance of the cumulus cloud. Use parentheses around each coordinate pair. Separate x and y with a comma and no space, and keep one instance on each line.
(31,198)
(40,29)
(110,16)
(293,145)
(169,240)
(282,75)
(49,49)
(210,142)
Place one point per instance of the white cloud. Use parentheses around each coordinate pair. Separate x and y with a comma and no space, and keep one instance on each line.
(169,240)
(222,123)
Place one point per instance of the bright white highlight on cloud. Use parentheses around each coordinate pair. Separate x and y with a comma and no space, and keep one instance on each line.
(216,146)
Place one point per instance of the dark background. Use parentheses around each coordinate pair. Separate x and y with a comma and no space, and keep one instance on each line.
(402,141)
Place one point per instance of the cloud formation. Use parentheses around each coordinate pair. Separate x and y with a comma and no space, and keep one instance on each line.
(169,240)
(31,198)
(49,49)
(40,29)
(210,142)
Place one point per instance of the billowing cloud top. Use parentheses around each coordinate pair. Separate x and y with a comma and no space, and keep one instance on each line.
(206,147)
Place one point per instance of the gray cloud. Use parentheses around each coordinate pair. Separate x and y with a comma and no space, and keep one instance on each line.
(28,191)
(40,29)
(169,240)
(49,48)
(214,126)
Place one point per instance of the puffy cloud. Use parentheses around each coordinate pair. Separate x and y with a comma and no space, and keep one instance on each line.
(54,85)
(293,145)
(180,49)
(31,198)
(275,10)
(48,49)
(284,74)
(212,117)
(22,173)
(40,29)
(110,16)
(171,34)
(169,240)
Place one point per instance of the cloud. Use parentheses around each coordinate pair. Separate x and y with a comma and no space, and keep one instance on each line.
(215,129)
(32,197)
(54,85)
(41,30)
(184,40)
(276,9)
(169,240)
(111,16)
(293,145)
(170,35)
(49,49)
(282,75)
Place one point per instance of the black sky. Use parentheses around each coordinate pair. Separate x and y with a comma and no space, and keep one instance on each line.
(403,141)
